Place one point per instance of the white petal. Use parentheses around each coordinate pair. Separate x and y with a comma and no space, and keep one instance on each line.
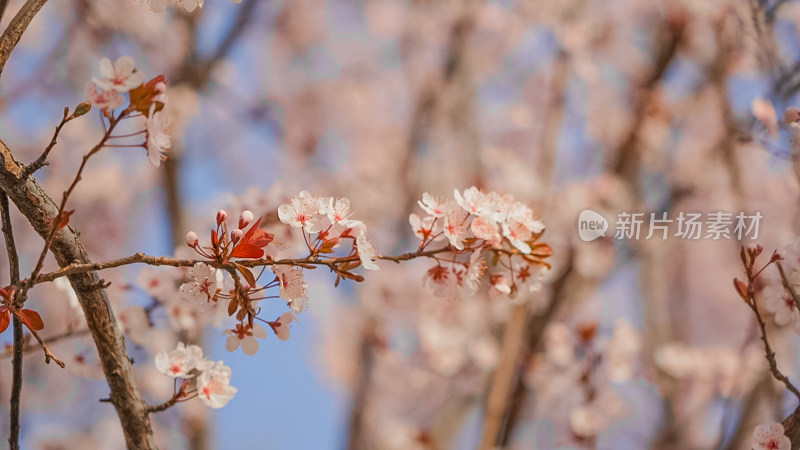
(250,346)
(232,343)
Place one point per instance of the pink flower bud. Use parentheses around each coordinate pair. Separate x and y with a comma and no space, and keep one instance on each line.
(778,255)
(221,216)
(245,218)
(191,239)
(236,235)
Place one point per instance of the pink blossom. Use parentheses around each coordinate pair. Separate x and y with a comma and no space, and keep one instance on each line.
(120,77)
(293,287)
(302,212)
(435,206)
(245,336)
(213,385)
(159,138)
(486,228)
(455,225)
(281,325)
(770,437)
(106,100)
(201,288)
(424,228)
(338,213)
(473,201)
(366,252)
(180,362)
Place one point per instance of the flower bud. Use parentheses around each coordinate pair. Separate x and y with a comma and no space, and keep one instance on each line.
(236,235)
(191,239)
(245,218)
(221,216)
(778,255)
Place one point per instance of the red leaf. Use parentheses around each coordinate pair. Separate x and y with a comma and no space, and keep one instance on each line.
(62,220)
(5,319)
(142,96)
(741,289)
(245,250)
(257,237)
(31,319)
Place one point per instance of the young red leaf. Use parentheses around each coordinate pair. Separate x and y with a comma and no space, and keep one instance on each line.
(31,319)
(245,250)
(63,219)
(741,288)
(5,319)
(257,237)
(143,96)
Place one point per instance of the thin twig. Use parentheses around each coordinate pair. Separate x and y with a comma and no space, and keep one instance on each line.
(164,406)
(49,340)
(141,258)
(41,161)
(16,362)
(769,353)
(48,355)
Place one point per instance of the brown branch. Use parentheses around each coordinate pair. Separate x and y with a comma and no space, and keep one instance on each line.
(16,362)
(40,210)
(141,258)
(49,340)
(361,390)
(164,406)
(770,354)
(750,300)
(12,34)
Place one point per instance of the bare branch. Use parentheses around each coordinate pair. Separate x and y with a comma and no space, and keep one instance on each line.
(16,362)
(12,34)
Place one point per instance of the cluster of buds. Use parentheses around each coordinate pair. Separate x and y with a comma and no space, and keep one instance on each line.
(748,255)
(234,244)
(472,224)
(205,283)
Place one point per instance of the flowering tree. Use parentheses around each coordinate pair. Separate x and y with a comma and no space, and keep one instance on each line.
(221,168)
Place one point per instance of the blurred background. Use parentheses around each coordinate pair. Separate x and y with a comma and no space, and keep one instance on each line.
(637,106)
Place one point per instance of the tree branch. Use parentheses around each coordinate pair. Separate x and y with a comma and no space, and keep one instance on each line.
(12,34)
(16,362)
(66,246)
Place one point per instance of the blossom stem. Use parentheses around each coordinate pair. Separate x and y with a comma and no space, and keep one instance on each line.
(141,258)
(769,353)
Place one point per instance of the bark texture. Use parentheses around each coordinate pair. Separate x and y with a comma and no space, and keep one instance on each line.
(40,210)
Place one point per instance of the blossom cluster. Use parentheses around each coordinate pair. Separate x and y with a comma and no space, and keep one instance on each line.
(208,380)
(205,285)
(778,299)
(328,219)
(147,99)
(473,223)
(578,367)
